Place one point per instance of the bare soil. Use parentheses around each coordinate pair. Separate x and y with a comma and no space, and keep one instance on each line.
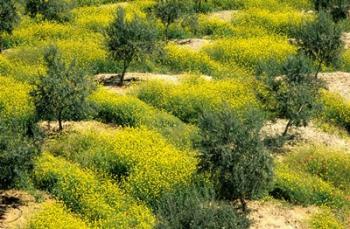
(16,207)
(346,40)
(338,82)
(195,44)
(225,15)
(140,77)
(309,134)
(273,214)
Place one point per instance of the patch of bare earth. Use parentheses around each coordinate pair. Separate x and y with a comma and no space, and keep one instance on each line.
(111,80)
(346,40)
(270,215)
(338,82)
(195,44)
(16,207)
(225,15)
(309,134)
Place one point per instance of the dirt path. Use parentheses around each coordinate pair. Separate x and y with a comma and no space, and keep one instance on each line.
(16,208)
(273,214)
(338,82)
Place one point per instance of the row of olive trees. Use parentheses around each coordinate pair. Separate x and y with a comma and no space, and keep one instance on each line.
(293,88)
(231,149)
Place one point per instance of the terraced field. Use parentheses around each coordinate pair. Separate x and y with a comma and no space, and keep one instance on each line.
(132,161)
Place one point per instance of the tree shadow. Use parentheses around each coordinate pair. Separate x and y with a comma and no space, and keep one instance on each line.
(8,202)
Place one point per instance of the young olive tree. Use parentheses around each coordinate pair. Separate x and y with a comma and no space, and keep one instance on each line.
(233,154)
(295,92)
(168,11)
(128,40)
(321,41)
(8,19)
(53,10)
(62,93)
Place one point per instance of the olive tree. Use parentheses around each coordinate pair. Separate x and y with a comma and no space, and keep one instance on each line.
(8,19)
(295,91)
(17,152)
(128,40)
(168,11)
(56,10)
(233,154)
(339,9)
(321,41)
(62,93)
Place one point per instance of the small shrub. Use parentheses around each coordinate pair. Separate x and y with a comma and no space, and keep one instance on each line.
(196,207)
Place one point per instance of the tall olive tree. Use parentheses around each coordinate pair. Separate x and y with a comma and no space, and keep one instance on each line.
(62,93)
(8,19)
(233,154)
(128,40)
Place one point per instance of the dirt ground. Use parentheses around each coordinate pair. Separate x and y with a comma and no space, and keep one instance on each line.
(338,82)
(273,215)
(195,44)
(225,15)
(346,40)
(309,134)
(16,207)
(139,77)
